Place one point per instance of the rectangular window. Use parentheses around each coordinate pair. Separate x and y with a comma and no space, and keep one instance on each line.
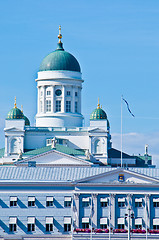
(103,226)
(138,204)
(41,93)
(138,226)
(67,227)
(48,93)
(13,224)
(49,227)
(49,224)
(31,201)
(58,106)
(120,226)
(85,225)
(13,201)
(48,105)
(31,227)
(156,227)
(85,202)
(12,227)
(67,201)
(76,94)
(104,202)
(31,224)
(68,106)
(68,93)
(49,201)
(121,202)
(76,107)
(155,204)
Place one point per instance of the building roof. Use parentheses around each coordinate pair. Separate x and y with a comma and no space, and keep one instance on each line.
(60,148)
(57,174)
(60,60)
(114,153)
(98,113)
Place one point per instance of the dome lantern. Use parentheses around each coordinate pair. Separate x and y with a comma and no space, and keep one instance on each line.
(98,113)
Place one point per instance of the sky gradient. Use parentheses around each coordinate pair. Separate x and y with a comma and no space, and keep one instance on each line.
(117,46)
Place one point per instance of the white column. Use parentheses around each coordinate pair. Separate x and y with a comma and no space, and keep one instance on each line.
(52,101)
(63,99)
(73,100)
(112,207)
(38,103)
(94,211)
(79,99)
(147,213)
(44,97)
(76,210)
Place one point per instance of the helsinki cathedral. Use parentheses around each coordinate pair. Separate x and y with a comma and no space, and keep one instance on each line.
(59,121)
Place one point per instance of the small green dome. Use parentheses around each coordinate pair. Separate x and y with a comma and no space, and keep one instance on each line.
(98,114)
(15,113)
(27,122)
(60,60)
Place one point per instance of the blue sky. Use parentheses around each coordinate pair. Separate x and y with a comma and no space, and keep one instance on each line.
(117,45)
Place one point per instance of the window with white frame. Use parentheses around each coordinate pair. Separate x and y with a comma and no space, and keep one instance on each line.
(156,223)
(121,202)
(103,223)
(41,106)
(49,224)
(48,92)
(121,223)
(68,106)
(138,223)
(13,201)
(48,105)
(13,224)
(85,202)
(155,202)
(49,201)
(68,93)
(41,93)
(138,202)
(67,224)
(58,106)
(85,222)
(76,107)
(76,94)
(31,201)
(104,202)
(67,201)
(31,224)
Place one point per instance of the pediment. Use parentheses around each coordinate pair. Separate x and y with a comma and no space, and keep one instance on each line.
(13,129)
(54,157)
(120,176)
(97,130)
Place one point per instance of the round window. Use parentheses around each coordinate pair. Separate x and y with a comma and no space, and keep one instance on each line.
(58,92)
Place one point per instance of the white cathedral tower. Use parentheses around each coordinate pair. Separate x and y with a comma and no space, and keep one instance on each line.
(59,86)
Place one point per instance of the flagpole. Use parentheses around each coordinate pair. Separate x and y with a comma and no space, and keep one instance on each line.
(121,133)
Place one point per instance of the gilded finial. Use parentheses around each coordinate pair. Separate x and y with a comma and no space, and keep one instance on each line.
(22,108)
(98,104)
(15,104)
(60,35)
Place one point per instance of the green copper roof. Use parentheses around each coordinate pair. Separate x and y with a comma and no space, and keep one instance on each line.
(98,114)
(15,113)
(27,122)
(2,152)
(60,148)
(60,60)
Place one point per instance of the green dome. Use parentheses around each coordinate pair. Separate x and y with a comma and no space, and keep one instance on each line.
(15,113)
(60,60)
(98,114)
(27,122)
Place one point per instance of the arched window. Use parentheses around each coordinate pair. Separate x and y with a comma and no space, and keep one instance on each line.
(14,146)
(97,146)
